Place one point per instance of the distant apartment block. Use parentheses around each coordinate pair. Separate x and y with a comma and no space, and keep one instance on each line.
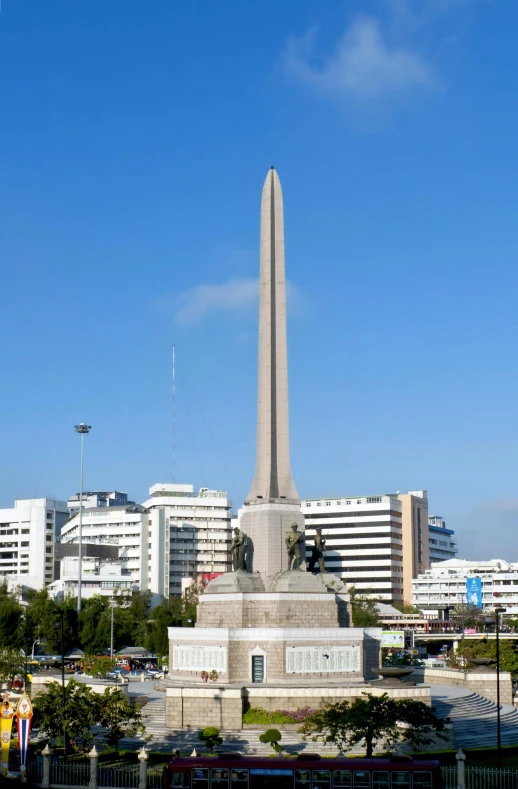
(28,534)
(438,590)
(443,544)
(375,543)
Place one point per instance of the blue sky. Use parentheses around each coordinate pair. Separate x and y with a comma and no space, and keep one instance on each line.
(134,141)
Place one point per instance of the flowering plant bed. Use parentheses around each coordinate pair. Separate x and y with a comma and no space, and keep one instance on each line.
(258,716)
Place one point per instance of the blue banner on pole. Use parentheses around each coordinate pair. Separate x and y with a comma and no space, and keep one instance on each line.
(474,591)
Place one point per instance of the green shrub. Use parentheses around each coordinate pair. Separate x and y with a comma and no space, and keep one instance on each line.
(272,736)
(210,736)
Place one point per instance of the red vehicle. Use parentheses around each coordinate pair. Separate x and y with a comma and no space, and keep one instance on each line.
(306,771)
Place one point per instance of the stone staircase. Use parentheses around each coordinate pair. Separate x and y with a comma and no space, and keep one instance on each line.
(474,720)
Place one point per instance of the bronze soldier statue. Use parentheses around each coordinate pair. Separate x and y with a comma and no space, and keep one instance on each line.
(238,550)
(317,552)
(293,541)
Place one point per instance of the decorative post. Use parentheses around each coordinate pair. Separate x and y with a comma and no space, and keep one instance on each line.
(45,782)
(94,761)
(6,724)
(461,766)
(143,757)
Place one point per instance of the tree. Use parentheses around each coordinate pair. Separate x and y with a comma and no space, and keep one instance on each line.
(95,625)
(364,610)
(82,709)
(210,736)
(467,615)
(370,720)
(43,622)
(272,736)
(96,665)
(191,597)
(74,714)
(12,661)
(118,716)
(167,614)
(11,619)
(508,655)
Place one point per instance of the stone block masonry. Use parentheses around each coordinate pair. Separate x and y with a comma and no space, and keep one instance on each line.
(196,707)
(206,706)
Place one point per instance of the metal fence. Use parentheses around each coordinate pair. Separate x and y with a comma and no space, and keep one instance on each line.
(481,778)
(70,773)
(124,776)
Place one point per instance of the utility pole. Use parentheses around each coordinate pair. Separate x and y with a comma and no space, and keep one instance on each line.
(83,430)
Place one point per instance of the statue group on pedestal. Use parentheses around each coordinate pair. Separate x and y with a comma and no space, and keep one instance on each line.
(293,541)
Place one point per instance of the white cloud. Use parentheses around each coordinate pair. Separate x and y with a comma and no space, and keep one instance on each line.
(363,64)
(237,295)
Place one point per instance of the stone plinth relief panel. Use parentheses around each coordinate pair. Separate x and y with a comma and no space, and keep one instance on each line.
(193,658)
(307,660)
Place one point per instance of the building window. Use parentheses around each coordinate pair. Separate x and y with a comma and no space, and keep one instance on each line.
(358,501)
(373,500)
(348,501)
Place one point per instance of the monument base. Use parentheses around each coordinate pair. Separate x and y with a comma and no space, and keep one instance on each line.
(266,526)
(195,706)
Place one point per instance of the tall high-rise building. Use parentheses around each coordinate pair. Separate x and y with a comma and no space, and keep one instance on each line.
(198,527)
(375,543)
(28,533)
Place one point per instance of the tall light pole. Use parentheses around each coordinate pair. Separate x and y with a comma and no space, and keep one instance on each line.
(498,610)
(112,606)
(82,429)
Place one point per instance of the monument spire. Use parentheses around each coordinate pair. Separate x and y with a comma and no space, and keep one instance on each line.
(272,480)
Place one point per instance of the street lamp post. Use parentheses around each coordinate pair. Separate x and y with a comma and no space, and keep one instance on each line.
(498,610)
(83,430)
(61,615)
(112,605)
(32,653)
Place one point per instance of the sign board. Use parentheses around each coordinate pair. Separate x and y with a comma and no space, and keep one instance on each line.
(474,591)
(393,638)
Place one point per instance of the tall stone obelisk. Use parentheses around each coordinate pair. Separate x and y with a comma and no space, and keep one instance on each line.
(272,504)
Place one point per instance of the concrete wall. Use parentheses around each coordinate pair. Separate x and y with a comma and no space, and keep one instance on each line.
(222,707)
(39,682)
(483,683)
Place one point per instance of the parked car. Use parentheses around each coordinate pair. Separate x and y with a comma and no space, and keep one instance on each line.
(117,674)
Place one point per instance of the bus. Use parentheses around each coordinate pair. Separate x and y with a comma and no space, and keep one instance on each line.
(306,771)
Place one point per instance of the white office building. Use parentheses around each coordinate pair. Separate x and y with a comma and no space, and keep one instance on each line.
(438,590)
(442,542)
(141,538)
(98,498)
(374,543)
(173,535)
(28,534)
(199,527)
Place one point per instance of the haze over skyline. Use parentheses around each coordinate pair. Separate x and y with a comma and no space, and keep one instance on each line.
(134,143)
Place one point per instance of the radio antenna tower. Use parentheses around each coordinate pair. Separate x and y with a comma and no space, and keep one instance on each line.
(173,393)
